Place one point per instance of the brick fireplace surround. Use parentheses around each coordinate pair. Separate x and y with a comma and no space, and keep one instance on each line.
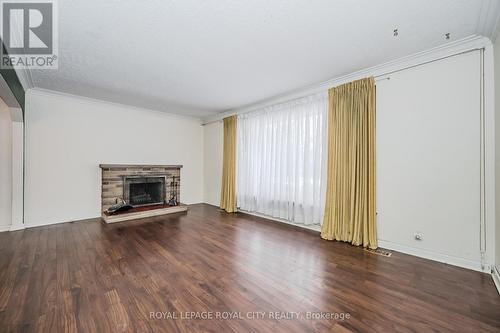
(112,185)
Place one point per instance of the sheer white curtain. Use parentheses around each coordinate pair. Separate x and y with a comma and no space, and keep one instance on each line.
(281,160)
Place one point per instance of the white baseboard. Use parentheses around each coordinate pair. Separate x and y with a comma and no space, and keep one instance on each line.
(495,274)
(17,227)
(4,228)
(76,219)
(42,224)
(436,256)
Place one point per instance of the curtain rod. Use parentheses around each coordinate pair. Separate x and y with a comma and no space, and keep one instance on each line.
(379,77)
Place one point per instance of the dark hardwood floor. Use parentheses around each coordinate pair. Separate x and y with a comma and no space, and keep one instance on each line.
(90,277)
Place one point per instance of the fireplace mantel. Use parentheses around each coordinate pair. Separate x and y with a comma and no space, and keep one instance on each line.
(112,166)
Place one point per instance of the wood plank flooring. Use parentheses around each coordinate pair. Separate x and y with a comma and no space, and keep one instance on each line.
(91,277)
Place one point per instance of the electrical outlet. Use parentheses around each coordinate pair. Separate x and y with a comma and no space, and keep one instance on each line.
(418,236)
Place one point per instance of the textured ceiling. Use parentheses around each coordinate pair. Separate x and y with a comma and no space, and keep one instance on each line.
(201,57)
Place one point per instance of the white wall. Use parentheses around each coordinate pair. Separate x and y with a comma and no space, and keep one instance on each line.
(5,166)
(497,147)
(213,140)
(67,137)
(17,174)
(428,162)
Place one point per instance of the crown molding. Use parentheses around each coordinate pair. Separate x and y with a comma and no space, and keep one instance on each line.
(47,92)
(455,47)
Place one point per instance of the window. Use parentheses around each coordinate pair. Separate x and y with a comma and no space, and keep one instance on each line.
(281,156)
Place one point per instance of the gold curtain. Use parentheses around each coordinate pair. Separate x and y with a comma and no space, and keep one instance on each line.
(228,189)
(350,194)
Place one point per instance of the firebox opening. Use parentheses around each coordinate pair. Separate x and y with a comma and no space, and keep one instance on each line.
(142,191)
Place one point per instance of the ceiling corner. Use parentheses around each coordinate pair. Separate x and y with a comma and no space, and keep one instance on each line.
(488,20)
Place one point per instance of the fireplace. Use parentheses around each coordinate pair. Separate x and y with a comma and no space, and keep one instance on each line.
(141,186)
(143,191)
(130,192)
